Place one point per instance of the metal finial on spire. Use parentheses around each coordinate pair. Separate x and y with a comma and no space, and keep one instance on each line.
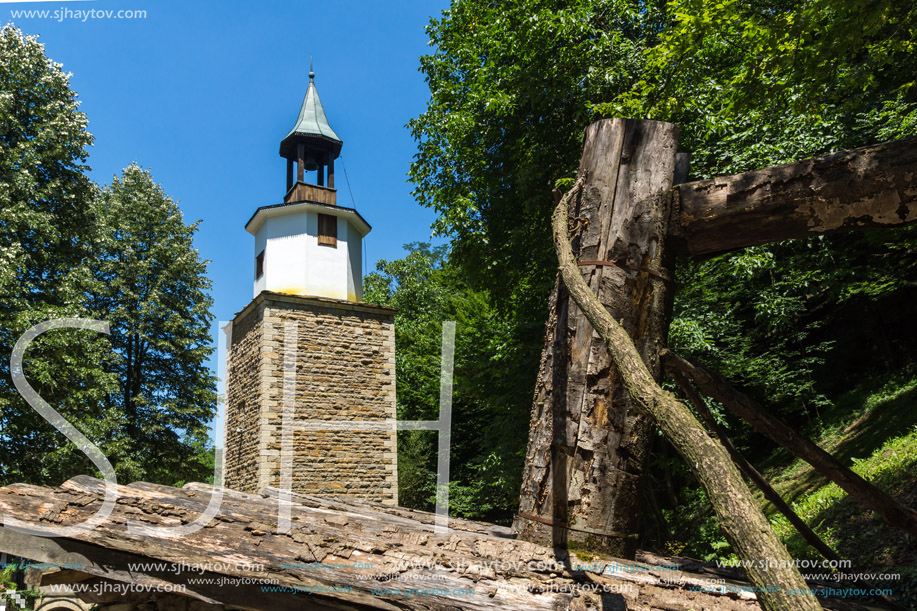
(311,73)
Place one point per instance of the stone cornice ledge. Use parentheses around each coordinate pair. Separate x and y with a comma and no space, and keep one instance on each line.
(314,300)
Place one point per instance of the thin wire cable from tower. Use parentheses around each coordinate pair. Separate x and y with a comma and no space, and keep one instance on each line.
(354,204)
(344,165)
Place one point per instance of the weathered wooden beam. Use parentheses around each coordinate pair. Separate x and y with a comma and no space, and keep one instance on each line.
(396,547)
(748,469)
(588,443)
(893,512)
(112,565)
(872,186)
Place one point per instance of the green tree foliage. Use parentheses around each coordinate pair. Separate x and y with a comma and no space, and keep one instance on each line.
(152,288)
(754,84)
(765,82)
(751,84)
(46,210)
(486,449)
(762,83)
(9,576)
(511,90)
(43,189)
(124,256)
(511,86)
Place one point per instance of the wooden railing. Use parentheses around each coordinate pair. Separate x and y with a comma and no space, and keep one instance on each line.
(303,192)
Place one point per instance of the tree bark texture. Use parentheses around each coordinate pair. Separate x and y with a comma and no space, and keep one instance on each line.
(711,384)
(872,186)
(588,443)
(746,528)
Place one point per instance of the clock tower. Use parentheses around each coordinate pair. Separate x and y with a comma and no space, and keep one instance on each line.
(307,346)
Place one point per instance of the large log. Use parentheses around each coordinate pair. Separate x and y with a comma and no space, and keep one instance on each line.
(588,443)
(475,566)
(872,186)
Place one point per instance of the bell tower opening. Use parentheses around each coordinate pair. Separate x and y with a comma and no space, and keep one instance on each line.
(311,146)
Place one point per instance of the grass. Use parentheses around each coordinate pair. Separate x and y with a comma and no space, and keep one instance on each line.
(858,424)
(874,431)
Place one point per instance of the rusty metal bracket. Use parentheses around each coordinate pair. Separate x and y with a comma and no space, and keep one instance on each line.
(662,274)
(588,531)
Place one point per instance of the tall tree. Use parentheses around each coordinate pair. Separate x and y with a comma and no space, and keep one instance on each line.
(751,84)
(510,91)
(46,213)
(511,86)
(486,449)
(151,286)
(143,394)
(754,84)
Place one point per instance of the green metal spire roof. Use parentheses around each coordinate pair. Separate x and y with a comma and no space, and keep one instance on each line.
(312,120)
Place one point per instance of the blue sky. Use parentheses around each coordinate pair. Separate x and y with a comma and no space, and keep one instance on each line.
(201,93)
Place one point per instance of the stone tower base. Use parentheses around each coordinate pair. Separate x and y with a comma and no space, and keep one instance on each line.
(344,361)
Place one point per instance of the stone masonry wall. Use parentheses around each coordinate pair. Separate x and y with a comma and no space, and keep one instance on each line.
(243,402)
(345,371)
